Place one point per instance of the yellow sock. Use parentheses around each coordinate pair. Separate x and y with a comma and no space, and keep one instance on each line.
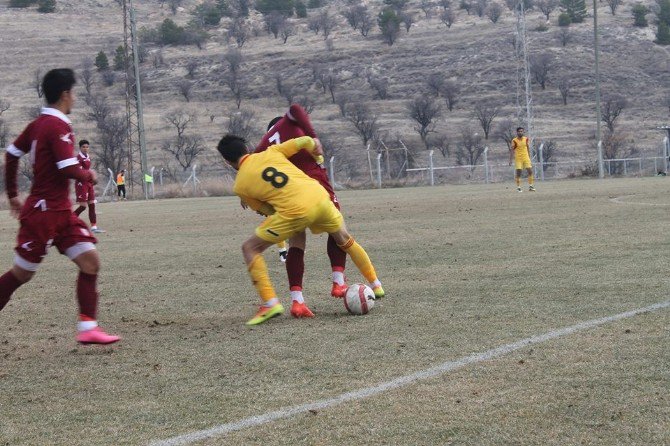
(531,180)
(518,181)
(281,245)
(360,258)
(259,276)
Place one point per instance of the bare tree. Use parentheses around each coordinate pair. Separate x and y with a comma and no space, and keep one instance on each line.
(546,7)
(380,85)
(614,147)
(101,110)
(184,87)
(540,67)
(427,7)
(179,120)
(332,83)
(4,106)
(435,83)
(470,148)
(239,31)
(354,15)
(287,31)
(319,73)
(548,153)
(314,24)
(239,123)
(612,107)
(86,74)
(506,131)
(407,19)
(445,4)
(274,22)
(564,35)
(440,142)
(157,60)
(448,17)
(485,113)
(564,86)
(342,100)
(424,110)
(237,84)
(493,12)
(480,7)
(191,67)
(364,121)
(366,24)
(451,92)
(327,23)
(112,135)
(614,4)
(108,78)
(234,59)
(183,147)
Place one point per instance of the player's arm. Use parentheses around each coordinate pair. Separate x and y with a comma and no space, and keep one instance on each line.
(259,206)
(298,115)
(293,146)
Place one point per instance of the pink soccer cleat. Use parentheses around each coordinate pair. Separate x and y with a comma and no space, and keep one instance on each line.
(338,290)
(300,310)
(96,336)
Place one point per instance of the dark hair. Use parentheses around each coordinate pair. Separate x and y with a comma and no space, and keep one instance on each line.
(232,147)
(84,142)
(57,81)
(519,128)
(274,121)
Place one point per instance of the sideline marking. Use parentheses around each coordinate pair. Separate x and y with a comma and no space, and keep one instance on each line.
(438,370)
(617,200)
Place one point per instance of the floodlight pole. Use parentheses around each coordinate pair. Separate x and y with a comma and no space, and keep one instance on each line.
(601,167)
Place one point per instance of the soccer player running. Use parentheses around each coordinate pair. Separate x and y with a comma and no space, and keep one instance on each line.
(520,152)
(85,191)
(46,218)
(271,185)
(294,124)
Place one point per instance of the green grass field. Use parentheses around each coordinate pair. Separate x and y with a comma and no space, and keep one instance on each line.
(466,269)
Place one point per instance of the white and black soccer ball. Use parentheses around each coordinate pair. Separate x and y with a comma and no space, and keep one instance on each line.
(359,299)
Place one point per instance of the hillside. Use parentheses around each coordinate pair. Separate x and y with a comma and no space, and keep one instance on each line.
(475,53)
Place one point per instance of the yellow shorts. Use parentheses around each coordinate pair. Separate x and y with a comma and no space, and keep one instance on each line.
(324,217)
(522,163)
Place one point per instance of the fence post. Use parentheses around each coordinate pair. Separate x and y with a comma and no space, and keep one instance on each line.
(332,171)
(372,180)
(601,166)
(666,144)
(379,170)
(432,172)
(160,176)
(486,164)
(541,152)
(111,182)
(153,190)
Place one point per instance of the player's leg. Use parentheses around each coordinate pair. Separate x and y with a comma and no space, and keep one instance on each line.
(253,249)
(80,192)
(338,261)
(531,178)
(92,216)
(11,281)
(517,178)
(77,243)
(295,269)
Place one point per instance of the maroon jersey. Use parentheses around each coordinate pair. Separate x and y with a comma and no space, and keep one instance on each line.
(50,142)
(294,124)
(84,161)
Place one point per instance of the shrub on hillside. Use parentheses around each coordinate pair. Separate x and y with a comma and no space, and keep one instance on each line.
(101,61)
(564,19)
(576,9)
(284,7)
(640,15)
(300,9)
(46,6)
(21,3)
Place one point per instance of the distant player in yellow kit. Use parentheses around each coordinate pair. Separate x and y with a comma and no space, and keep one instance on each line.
(520,152)
(271,185)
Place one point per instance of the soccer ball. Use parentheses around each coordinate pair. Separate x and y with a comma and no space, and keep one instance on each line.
(359,299)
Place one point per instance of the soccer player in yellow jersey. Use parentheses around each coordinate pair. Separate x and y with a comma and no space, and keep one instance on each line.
(273,186)
(520,152)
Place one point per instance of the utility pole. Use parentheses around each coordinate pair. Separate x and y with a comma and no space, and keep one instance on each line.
(601,164)
(523,71)
(134,109)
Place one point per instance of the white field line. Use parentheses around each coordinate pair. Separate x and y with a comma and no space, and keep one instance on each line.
(618,200)
(437,370)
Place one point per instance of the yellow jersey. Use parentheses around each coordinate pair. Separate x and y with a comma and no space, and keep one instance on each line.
(520,147)
(268,181)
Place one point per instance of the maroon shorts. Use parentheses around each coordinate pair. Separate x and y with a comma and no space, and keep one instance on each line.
(85,192)
(41,229)
(322,177)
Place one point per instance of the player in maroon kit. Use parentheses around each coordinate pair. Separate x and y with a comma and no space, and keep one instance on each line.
(293,124)
(84,191)
(46,217)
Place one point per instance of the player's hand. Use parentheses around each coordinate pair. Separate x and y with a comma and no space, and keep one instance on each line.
(318,148)
(15,206)
(94,177)
(243,204)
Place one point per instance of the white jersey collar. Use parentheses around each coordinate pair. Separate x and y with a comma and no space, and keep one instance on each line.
(57,113)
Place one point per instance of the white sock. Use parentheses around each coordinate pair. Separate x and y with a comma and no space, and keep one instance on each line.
(338,277)
(86,325)
(376,283)
(271,303)
(296,296)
